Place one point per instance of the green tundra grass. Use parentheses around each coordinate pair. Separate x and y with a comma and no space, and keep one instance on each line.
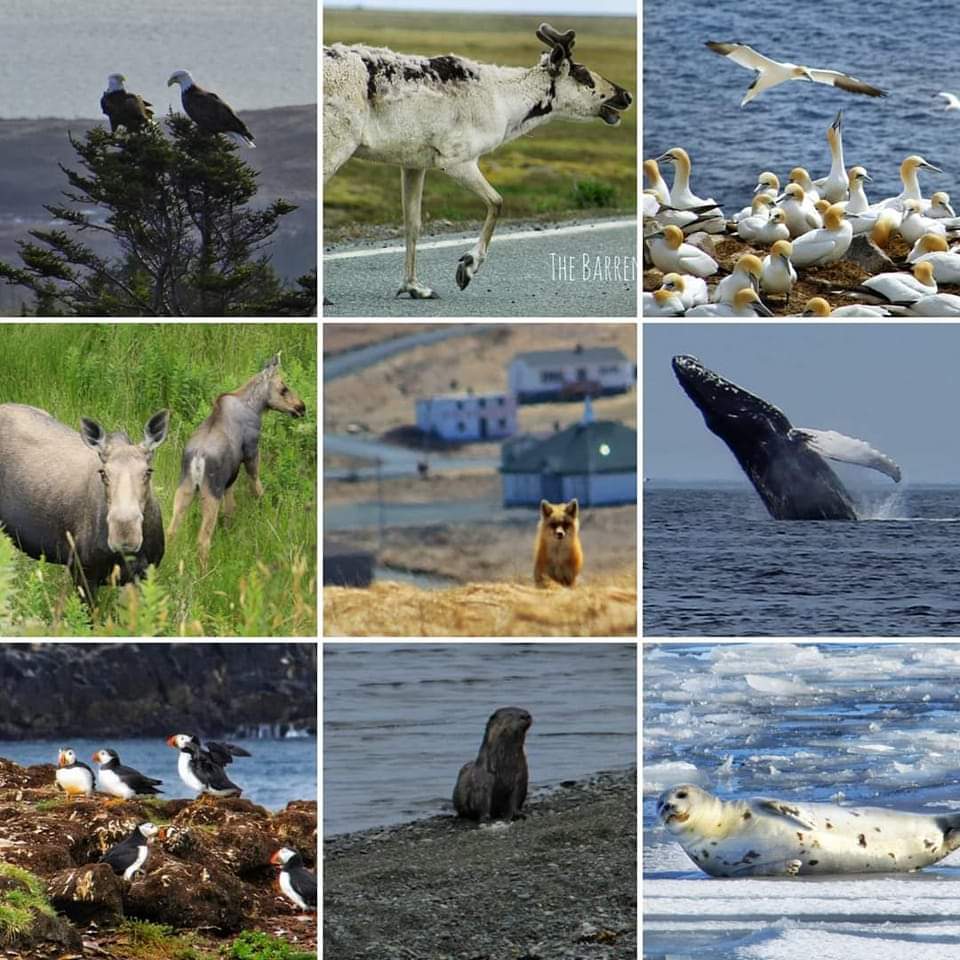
(261,578)
(559,170)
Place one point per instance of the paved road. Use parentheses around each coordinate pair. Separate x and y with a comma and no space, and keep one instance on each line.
(396,461)
(344,364)
(528,273)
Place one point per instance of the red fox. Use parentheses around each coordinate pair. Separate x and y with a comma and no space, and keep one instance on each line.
(557,554)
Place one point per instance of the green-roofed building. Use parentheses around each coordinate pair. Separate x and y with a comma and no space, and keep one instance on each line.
(594,461)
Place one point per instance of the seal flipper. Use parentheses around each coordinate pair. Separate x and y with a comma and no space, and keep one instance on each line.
(950,825)
(837,446)
(785,810)
(772,868)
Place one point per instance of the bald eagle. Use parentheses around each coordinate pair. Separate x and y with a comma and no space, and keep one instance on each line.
(208,111)
(124,109)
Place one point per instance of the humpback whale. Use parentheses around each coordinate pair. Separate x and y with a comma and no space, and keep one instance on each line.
(785,464)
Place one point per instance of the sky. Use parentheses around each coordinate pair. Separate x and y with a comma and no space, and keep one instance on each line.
(584,8)
(894,385)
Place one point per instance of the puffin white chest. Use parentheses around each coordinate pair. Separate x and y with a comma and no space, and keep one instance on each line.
(286,886)
(186,773)
(142,851)
(74,780)
(112,784)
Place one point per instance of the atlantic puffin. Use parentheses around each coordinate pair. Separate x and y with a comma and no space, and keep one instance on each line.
(131,853)
(73,777)
(120,781)
(202,769)
(296,882)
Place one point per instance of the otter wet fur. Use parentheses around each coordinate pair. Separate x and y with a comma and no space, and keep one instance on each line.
(558,554)
(494,786)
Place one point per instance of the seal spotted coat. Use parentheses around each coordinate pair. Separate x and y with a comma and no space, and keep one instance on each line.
(768,838)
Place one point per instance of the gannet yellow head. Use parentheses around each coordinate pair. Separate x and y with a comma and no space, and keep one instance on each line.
(911,207)
(822,206)
(746,296)
(933,243)
(858,175)
(766,180)
(794,191)
(673,235)
(800,73)
(799,175)
(677,155)
(662,296)
(914,162)
(833,216)
(650,170)
(941,198)
(886,223)
(778,216)
(673,282)
(923,271)
(749,263)
(782,248)
(760,201)
(816,307)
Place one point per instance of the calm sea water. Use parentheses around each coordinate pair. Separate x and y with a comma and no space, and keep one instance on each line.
(869,724)
(691,96)
(400,720)
(276,772)
(57,56)
(716,564)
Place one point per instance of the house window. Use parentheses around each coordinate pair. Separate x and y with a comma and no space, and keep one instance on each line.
(503,423)
(604,370)
(551,376)
(461,426)
(459,404)
(500,401)
(481,403)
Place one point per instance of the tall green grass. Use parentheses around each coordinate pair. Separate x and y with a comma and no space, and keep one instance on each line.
(261,578)
(537,173)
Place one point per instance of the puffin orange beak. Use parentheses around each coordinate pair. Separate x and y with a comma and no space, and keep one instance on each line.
(275,859)
(170,740)
(61,760)
(94,757)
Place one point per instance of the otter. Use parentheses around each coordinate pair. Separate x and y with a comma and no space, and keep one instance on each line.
(494,786)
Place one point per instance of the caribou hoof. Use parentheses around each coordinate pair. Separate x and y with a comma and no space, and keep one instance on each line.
(466,268)
(417,292)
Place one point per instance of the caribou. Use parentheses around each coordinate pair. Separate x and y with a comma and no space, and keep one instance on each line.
(444,113)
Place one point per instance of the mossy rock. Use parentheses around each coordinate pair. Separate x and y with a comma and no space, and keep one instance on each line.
(27,921)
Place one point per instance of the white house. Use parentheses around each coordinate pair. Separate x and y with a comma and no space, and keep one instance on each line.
(543,375)
(468,416)
(594,461)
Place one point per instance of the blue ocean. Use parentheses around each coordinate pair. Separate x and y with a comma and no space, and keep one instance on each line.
(864,724)
(691,96)
(716,564)
(277,771)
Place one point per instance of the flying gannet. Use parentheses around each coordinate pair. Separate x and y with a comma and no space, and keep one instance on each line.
(770,73)
(952,102)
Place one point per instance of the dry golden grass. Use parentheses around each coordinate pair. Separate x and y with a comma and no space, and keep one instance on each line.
(382,396)
(340,337)
(607,609)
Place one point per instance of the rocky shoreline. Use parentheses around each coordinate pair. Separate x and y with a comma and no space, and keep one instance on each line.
(557,885)
(207,879)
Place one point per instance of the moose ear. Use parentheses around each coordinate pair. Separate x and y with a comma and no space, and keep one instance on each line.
(272,364)
(155,431)
(93,434)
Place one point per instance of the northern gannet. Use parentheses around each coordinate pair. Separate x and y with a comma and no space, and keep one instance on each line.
(651,205)
(834,185)
(827,244)
(662,303)
(799,176)
(692,291)
(952,102)
(799,212)
(777,273)
(901,288)
(862,215)
(746,273)
(658,185)
(761,195)
(938,305)
(940,207)
(671,255)
(770,73)
(914,225)
(911,183)
(746,303)
(748,226)
(681,196)
(774,229)
(933,249)
(818,307)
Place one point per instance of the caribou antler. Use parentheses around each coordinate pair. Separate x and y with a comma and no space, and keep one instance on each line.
(553,38)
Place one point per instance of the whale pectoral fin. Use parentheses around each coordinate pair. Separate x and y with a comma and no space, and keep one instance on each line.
(837,446)
(773,868)
(787,811)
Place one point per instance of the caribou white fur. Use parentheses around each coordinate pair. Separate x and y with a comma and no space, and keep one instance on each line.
(443,113)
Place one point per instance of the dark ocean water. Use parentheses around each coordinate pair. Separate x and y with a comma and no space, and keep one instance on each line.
(691,96)
(716,564)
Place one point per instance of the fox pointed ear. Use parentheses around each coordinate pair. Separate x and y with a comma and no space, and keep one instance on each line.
(573,508)
(545,508)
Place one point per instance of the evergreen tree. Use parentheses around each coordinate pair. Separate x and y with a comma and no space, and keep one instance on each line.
(177,209)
